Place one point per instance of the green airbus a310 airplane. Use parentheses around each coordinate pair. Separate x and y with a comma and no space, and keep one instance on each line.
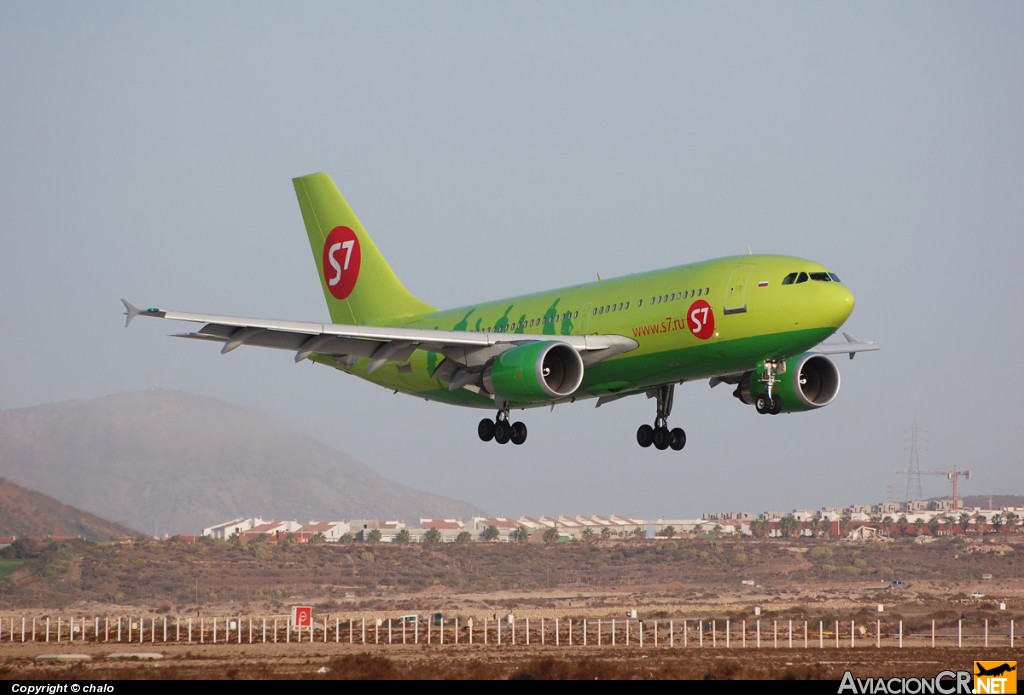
(757,322)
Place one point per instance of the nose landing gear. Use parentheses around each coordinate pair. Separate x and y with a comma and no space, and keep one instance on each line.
(769,404)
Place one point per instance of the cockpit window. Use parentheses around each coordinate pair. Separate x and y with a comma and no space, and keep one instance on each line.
(817,276)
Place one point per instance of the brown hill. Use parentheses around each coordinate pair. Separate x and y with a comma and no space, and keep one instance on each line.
(26,513)
(171,462)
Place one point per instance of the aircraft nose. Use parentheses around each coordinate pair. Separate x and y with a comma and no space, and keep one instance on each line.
(842,303)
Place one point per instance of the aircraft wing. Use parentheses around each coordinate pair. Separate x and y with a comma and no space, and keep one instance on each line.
(851,347)
(465,352)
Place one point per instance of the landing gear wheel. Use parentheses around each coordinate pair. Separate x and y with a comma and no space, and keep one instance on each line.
(776,405)
(678,439)
(662,438)
(502,431)
(645,436)
(762,404)
(486,430)
(518,433)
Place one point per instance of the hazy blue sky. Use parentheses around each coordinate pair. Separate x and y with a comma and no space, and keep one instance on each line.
(147,152)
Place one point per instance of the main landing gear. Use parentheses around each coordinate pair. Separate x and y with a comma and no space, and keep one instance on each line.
(501,430)
(769,404)
(660,435)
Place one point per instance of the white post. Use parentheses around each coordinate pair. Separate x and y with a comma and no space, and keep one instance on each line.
(584,632)
(960,633)
(933,632)
(557,636)
(714,633)
(986,633)
(757,633)
(790,634)
(878,634)
(851,634)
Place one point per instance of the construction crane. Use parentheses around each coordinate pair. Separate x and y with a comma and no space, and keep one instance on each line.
(953,475)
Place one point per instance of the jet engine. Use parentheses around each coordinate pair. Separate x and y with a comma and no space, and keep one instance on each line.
(535,373)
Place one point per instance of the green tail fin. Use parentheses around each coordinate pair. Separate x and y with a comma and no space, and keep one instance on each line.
(358,283)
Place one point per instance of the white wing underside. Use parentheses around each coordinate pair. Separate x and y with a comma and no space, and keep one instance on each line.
(466,352)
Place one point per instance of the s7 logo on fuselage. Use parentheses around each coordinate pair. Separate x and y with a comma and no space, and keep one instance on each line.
(341,261)
(700,317)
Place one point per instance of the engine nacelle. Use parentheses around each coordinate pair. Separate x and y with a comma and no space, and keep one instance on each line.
(810,381)
(535,373)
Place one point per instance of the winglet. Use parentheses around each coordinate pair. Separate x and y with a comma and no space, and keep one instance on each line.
(130,312)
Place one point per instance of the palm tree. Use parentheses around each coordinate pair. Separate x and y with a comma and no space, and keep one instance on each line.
(588,535)
(550,535)
(1010,519)
(464,537)
(490,533)
(997,522)
(965,521)
(789,526)
(374,536)
(669,531)
(403,536)
(432,536)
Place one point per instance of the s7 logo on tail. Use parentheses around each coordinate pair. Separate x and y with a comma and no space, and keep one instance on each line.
(341,261)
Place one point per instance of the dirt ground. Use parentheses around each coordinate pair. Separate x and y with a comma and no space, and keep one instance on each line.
(962,602)
(704,656)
